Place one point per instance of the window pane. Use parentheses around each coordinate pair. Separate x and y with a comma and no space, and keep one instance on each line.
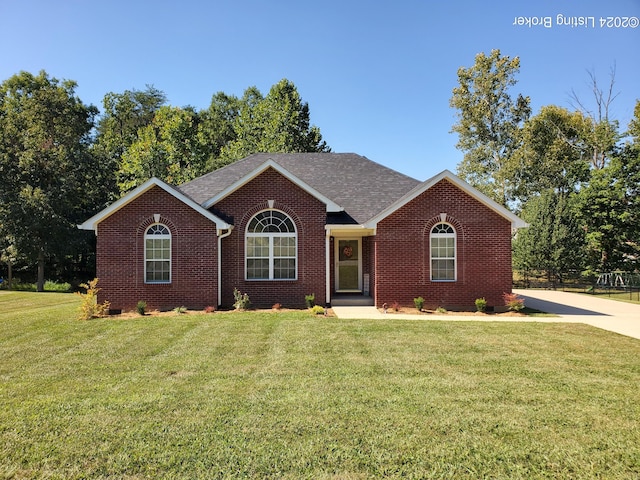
(443,247)
(443,270)
(257,269)
(158,230)
(449,250)
(284,247)
(284,268)
(257,247)
(288,226)
(271,221)
(438,247)
(253,225)
(442,228)
(157,271)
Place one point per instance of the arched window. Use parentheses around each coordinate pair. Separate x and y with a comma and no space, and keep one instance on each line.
(157,254)
(271,247)
(443,253)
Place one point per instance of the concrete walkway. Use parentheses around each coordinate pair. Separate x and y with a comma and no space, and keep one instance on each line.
(618,317)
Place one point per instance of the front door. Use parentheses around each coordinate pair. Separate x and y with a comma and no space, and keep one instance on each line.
(348,265)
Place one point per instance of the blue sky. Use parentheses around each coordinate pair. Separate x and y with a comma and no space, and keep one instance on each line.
(377,76)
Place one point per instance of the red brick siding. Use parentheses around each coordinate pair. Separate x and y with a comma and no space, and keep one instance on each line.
(483,247)
(309,216)
(120,255)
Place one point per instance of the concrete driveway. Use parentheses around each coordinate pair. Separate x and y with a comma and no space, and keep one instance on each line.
(619,317)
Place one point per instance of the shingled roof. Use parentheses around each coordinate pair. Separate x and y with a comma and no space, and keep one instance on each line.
(362,187)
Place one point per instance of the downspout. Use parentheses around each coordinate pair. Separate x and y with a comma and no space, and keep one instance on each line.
(220,237)
(327,281)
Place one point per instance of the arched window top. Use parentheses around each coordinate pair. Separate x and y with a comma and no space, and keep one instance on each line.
(158,229)
(271,221)
(443,228)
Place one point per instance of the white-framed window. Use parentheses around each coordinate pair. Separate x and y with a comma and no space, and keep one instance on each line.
(443,253)
(157,254)
(271,247)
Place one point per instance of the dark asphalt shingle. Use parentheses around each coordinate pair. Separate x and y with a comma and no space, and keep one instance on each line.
(362,187)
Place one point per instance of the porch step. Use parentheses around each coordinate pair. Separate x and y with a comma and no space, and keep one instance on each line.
(351,300)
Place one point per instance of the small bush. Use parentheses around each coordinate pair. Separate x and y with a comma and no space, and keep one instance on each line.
(209,309)
(49,286)
(481,304)
(90,308)
(52,286)
(141,307)
(441,310)
(513,301)
(241,300)
(317,310)
(419,303)
(310,300)
(180,310)
(23,287)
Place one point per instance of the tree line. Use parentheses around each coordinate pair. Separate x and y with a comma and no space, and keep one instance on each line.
(573,175)
(61,160)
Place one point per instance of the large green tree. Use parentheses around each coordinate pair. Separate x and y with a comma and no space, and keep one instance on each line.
(216,130)
(178,144)
(45,165)
(168,148)
(123,115)
(553,242)
(553,153)
(279,122)
(489,123)
(610,208)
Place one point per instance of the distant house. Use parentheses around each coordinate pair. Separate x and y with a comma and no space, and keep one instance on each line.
(282,226)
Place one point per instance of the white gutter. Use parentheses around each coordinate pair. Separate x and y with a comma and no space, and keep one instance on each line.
(327,281)
(220,237)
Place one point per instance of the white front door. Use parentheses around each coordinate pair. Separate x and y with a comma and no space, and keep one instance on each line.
(348,266)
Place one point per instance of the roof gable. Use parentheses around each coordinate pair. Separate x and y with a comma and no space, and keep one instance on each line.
(360,187)
(516,222)
(92,223)
(331,206)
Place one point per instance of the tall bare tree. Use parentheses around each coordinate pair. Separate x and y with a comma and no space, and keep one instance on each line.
(601,132)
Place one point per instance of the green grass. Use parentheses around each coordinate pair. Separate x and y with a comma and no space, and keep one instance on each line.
(290,395)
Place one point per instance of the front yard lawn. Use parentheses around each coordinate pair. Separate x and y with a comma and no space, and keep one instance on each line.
(291,395)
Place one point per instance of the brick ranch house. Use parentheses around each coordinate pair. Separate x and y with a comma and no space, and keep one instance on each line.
(282,226)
